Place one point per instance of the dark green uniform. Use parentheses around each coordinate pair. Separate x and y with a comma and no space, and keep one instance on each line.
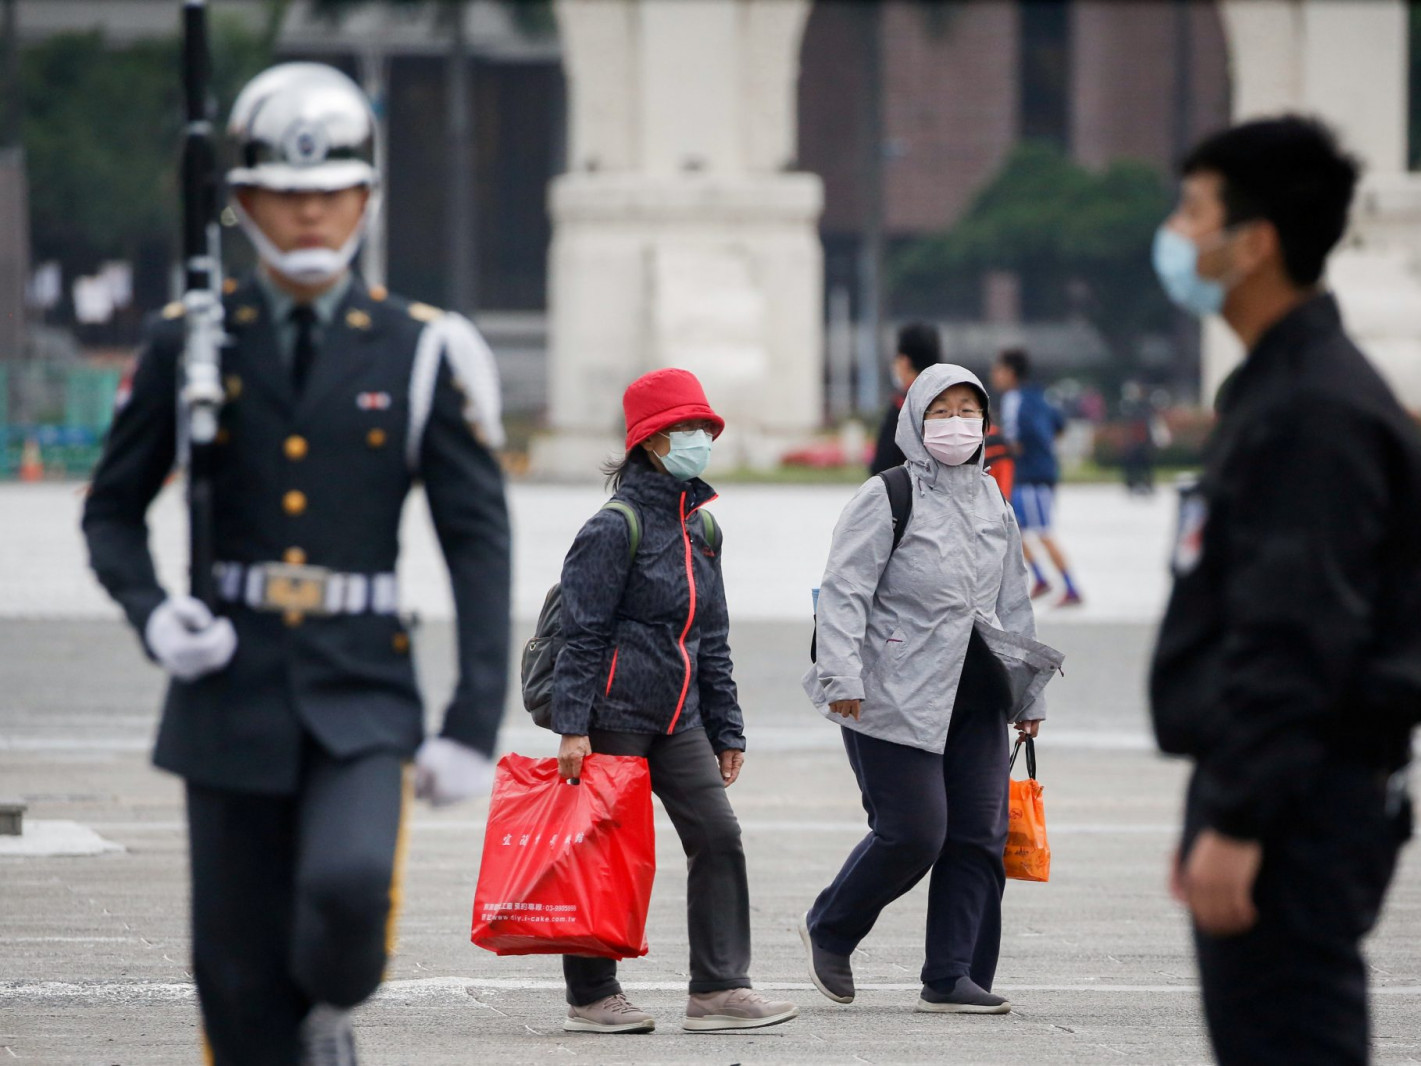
(306,730)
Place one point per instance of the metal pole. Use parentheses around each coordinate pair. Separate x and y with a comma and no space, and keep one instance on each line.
(10,108)
(462,293)
(870,257)
(374,79)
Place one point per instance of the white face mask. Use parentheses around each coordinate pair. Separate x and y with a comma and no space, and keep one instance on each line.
(307,266)
(952,441)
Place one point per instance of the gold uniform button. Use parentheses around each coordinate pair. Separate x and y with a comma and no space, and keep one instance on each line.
(294,502)
(224,435)
(296,448)
(401,643)
(293,618)
(375,438)
(233,386)
(294,556)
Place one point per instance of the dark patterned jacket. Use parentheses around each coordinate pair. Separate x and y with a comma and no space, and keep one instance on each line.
(647,648)
(320,481)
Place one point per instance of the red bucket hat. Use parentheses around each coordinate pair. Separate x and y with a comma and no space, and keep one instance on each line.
(662,398)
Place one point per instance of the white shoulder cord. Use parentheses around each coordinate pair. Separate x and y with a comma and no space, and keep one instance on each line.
(453,337)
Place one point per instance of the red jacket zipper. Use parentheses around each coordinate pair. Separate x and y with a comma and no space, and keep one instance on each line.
(690,613)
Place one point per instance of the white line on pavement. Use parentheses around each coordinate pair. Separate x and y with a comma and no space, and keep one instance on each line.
(463,987)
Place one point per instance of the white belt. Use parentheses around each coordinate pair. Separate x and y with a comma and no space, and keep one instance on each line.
(313,590)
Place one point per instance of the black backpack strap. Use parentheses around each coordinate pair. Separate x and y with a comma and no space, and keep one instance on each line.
(900,499)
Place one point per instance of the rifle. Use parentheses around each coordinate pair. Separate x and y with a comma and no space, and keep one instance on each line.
(200,398)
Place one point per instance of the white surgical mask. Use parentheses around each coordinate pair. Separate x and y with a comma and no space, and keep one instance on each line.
(952,441)
(689,454)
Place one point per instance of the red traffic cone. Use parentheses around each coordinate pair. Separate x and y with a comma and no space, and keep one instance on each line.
(31,462)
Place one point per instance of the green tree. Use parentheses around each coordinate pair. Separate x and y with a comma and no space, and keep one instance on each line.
(102,131)
(1084,232)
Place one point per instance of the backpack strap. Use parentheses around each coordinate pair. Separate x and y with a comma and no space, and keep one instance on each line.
(711,531)
(900,499)
(633,522)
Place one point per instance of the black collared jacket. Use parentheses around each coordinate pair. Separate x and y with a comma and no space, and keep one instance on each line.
(1293,636)
(320,480)
(647,647)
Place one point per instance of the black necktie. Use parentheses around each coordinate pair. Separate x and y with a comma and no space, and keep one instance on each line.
(303,353)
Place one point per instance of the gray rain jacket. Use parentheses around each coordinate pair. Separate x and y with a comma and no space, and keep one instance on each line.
(894,625)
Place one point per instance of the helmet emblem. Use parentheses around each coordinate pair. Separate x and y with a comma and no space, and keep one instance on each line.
(305,144)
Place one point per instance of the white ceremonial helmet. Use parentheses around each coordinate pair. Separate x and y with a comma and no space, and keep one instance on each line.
(304,127)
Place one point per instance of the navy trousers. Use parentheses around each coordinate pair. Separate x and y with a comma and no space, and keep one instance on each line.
(291,901)
(945,813)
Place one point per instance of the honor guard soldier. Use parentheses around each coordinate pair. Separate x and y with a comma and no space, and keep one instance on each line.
(293,712)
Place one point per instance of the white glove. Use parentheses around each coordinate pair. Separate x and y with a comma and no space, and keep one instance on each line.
(187,640)
(446,772)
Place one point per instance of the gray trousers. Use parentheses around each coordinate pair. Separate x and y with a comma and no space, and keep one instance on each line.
(685,774)
(291,901)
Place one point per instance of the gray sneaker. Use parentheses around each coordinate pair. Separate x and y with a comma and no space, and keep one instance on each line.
(327,1038)
(735,1008)
(830,973)
(966,997)
(614,1014)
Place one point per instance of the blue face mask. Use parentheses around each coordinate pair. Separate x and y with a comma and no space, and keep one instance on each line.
(689,454)
(1176,260)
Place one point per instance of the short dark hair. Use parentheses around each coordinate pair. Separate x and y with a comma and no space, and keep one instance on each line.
(1017,361)
(919,343)
(1288,171)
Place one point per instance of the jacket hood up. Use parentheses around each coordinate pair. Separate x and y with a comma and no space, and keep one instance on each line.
(926,388)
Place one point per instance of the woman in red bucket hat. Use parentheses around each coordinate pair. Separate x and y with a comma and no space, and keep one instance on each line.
(646,671)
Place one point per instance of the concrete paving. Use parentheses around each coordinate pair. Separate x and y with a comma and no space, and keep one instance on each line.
(94,949)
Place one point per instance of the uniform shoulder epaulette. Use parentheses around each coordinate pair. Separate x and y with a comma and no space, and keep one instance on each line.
(173,310)
(424,312)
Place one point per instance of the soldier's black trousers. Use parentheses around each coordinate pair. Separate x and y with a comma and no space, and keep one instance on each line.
(291,901)
(685,775)
(1293,989)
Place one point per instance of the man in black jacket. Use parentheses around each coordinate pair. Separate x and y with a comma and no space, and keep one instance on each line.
(1289,663)
(293,712)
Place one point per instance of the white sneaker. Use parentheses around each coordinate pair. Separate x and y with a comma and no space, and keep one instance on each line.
(612,1014)
(327,1038)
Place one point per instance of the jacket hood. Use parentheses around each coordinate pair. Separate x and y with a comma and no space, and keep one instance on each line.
(929,384)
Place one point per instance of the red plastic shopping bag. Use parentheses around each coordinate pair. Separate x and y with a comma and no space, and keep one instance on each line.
(567,869)
(1028,855)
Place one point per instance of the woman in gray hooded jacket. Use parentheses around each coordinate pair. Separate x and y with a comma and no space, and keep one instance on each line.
(926,652)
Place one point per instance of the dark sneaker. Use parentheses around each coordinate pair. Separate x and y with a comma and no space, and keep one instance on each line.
(1070,599)
(327,1038)
(614,1014)
(1039,589)
(967,997)
(830,973)
(735,1008)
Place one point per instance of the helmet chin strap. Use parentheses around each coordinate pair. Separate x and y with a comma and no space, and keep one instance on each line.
(308,266)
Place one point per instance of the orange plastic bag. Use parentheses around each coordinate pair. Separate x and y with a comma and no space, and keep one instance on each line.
(567,869)
(1028,855)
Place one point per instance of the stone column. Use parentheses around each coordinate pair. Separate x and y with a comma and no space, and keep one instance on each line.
(1344,61)
(681,235)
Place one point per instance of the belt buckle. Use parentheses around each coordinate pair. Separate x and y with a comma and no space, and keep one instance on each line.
(289,587)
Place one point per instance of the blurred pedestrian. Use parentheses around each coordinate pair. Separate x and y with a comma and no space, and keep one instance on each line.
(1142,430)
(293,712)
(646,671)
(919,347)
(910,628)
(1288,665)
(1032,424)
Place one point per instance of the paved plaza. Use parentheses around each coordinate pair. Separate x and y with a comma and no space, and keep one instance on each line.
(94,948)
